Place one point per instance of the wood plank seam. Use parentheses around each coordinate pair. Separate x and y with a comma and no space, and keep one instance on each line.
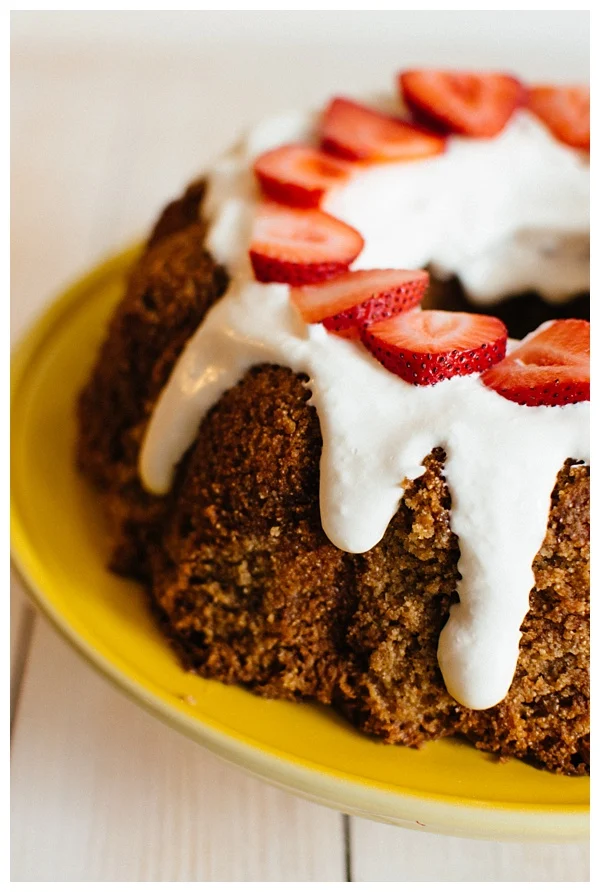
(347,835)
(23,648)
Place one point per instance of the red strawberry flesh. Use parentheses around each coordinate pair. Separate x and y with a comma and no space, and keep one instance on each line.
(428,346)
(566,111)
(462,102)
(350,334)
(299,175)
(360,297)
(551,367)
(300,247)
(358,133)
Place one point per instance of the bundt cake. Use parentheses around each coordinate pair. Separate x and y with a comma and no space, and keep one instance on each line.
(315,444)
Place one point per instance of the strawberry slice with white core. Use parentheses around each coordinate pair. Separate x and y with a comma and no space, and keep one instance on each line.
(360,297)
(462,102)
(359,133)
(299,175)
(300,247)
(565,111)
(428,346)
(551,367)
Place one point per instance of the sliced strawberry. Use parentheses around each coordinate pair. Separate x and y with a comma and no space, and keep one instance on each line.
(299,175)
(566,111)
(462,102)
(428,346)
(352,333)
(551,367)
(356,132)
(360,297)
(300,246)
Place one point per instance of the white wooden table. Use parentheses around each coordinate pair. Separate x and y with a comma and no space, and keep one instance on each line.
(111,115)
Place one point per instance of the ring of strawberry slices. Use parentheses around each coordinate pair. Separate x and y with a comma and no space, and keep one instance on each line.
(296,243)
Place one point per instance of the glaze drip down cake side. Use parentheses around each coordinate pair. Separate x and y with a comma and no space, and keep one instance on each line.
(318,444)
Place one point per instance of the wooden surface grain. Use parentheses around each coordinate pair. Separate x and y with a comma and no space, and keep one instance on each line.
(110,117)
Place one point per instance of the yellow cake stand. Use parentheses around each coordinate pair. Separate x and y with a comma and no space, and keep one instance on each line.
(60,549)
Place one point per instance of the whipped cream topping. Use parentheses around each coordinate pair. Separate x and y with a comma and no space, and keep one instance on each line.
(505,215)
(502,458)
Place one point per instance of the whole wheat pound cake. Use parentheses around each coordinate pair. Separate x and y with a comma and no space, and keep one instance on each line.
(315,443)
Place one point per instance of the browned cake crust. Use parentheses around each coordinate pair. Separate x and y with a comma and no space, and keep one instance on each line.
(248,587)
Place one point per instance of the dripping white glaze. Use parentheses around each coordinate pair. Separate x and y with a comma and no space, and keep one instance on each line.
(502,459)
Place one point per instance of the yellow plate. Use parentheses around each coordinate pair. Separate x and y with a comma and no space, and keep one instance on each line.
(60,550)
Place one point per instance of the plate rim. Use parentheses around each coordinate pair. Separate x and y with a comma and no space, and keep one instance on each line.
(442,813)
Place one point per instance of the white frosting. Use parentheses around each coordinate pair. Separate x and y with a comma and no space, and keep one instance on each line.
(505,215)
(502,458)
